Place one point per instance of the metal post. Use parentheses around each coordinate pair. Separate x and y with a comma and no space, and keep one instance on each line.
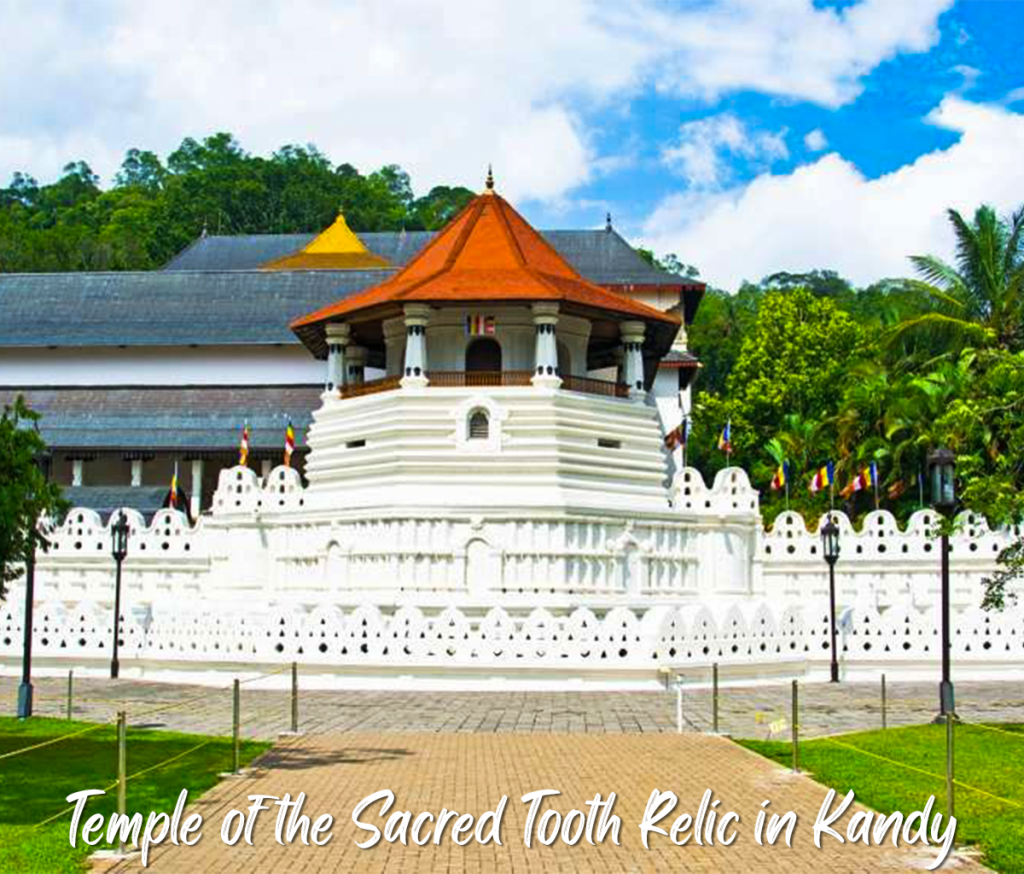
(796,729)
(946,690)
(714,697)
(115,665)
(885,718)
(236,718)
(25,689)
(949,763)
(832,620)
(295,698)
(71,688)
(122,769)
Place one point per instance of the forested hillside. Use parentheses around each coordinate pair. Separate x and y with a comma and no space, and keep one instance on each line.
(155,208)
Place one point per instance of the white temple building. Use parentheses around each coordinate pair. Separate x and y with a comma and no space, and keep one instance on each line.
(488,497)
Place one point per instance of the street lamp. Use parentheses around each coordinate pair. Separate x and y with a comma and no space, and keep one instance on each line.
(942,469)
(830,548)
(119,549)
(25,689)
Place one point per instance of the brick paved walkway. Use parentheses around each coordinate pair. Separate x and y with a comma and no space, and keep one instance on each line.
(745,712)
(470,772)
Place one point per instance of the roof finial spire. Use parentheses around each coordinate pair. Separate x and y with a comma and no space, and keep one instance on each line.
(489,183)
(608,221)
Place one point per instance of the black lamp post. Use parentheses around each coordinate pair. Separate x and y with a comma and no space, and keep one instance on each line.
(942,470)
(119,549)
(25,689)
(830,548)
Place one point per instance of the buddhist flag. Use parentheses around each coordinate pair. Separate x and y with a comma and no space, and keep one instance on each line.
(823,478)
(172,501)
(781,477)
(725,441)
(289,444)
(477,326)
(243,447)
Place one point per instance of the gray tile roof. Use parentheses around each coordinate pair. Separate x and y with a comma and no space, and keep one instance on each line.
(199,418)
(601,256)
(212,293)
(167,308)
(106,499)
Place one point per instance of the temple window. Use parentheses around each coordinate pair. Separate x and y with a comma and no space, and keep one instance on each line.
(479,425)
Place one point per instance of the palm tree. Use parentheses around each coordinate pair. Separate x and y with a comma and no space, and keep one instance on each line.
(980,301)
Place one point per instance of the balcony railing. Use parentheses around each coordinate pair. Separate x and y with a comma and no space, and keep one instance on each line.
(487,379)
(478,378)
(370,387)
(590,386)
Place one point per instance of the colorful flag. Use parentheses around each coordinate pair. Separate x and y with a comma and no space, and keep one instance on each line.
(243,448)
(873,473)
(823,478)
(674,437)
(477,326)
(172,501)
(289,445)
(725,441)
(781,477)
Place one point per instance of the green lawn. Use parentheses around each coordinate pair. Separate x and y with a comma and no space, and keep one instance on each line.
(985,759)
(34,786)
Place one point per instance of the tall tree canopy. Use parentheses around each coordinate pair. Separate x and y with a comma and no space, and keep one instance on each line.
(155,208)
(25,494)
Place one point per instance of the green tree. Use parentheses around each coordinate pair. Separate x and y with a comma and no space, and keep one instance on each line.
(980,301)
(25,495)
(789,369)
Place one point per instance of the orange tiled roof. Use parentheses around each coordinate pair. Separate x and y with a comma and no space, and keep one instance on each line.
(489,252)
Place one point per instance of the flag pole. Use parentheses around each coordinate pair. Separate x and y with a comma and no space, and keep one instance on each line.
(786,475)
(874,479)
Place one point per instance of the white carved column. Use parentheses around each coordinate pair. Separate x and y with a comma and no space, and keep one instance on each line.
(417,317)
(355,364)
(633,365)
(197,488)
(337,340)
(545,320)
(77,471)
(136,472)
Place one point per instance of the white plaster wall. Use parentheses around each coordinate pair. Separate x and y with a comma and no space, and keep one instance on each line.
(514,331)
(177,365)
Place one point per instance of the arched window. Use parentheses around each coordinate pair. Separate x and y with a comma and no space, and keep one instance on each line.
(483,355)
(479,425)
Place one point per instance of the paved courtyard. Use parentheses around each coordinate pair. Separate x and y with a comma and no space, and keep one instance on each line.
(470,772)
(463,751)
(744,711)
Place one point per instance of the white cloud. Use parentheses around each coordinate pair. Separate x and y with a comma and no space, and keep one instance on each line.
(438,87)
(828,215)
(701,155)
(815,140)
(791,48)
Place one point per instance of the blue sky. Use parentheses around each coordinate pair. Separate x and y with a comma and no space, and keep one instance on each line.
(747,136)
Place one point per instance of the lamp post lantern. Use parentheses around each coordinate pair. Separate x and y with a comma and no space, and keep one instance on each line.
(830,549)
(119,549)
(25,689)
(942,471)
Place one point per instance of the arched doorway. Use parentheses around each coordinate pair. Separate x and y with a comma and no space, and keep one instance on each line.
(483,355)
(564,359)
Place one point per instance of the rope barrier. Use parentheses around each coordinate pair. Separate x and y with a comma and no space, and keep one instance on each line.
(53,740)
(967,786)
(1016,734)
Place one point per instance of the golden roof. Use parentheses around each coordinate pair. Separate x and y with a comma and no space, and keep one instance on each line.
(337,248)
